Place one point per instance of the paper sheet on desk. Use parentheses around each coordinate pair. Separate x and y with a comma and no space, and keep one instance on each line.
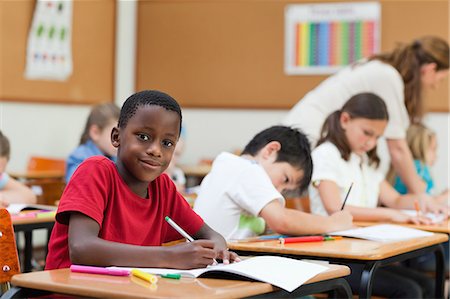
(383,233)
(285,273)
(435,218)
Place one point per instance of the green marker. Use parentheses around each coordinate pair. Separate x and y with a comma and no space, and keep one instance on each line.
(171,276)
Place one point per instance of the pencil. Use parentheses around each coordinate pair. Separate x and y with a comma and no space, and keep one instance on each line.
(346,196)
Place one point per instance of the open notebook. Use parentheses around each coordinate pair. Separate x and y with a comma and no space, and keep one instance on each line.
(383,233)
(285,273)
(16,208)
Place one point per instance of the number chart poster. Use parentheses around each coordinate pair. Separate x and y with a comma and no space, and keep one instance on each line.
(49,54)
(323,38)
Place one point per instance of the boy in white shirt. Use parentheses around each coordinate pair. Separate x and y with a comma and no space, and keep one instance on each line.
(239,189)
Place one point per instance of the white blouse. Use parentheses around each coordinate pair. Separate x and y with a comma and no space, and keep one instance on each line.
(329,165)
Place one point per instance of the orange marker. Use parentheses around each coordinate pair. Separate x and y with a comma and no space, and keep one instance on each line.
(417,207)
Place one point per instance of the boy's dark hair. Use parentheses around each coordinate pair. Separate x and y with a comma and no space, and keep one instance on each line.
(147,98)
(4,146)
(363,105)
(295,149)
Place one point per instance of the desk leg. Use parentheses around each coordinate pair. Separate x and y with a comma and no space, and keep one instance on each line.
(341,289)
(440,268)
(28,250)
(365,287)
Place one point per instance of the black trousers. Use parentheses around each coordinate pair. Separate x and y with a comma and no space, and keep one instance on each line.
(394,281)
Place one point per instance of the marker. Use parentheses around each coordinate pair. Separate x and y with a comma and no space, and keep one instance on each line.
(346,196)
(308,239)
(171,276)
(417,207)
(99,270)
(145,276)
(179,229)
(182,232)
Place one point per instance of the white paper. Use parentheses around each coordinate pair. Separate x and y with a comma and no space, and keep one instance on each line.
(383,233)
(15,208)
(435,218)
(285,273)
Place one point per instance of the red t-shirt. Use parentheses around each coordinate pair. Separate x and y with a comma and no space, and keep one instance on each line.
(98,191)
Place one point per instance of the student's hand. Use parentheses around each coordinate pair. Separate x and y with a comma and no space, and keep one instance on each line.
(228,256)
(3,202)
(341,220)
(399,217)
(196,254)
(433,206)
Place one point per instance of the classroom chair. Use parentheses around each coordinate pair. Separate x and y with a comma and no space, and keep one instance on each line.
(9,258)
(48,189)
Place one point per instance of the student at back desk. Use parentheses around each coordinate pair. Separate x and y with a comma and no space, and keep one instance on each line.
(113,213)
(11,191)
(346,154)
(238,189)
(96,137)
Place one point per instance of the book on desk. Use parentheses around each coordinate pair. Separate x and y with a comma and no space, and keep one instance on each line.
(285,273)
(383,233)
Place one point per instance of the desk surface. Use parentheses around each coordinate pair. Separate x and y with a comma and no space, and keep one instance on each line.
(92,285)
(443,227)
(199,170)
(346,248)
(34,175)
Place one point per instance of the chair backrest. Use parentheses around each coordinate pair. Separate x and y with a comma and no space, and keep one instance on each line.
(9,259)
(45,164)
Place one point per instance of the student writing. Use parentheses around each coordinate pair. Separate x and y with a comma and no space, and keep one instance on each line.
(113,213)
(242,194)
(422,142)
(400,78)
(346,153)
(96,137)
(11,190)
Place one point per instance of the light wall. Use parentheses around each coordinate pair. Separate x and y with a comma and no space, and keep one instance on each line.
(54,130)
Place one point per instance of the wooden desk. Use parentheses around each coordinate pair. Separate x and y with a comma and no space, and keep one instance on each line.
(103,286)
(443,227)
(195,173)
(371,254)
(50,184)
(27,225)
(39,174)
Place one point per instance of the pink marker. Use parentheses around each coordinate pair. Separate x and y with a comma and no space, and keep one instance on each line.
(99,270)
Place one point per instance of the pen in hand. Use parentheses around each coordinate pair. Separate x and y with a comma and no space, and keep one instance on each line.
(182,232)
(346,196)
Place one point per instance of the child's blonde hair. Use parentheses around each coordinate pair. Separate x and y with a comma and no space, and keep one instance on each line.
(419,138)
(100,115)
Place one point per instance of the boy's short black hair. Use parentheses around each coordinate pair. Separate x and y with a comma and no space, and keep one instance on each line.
(295,149)
(4,146)
(147,98)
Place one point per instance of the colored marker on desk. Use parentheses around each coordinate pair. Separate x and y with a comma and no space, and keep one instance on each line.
(307,239)
(145,276)
(99,270)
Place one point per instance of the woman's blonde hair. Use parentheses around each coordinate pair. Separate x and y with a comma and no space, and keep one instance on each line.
(419,138)
(407,59)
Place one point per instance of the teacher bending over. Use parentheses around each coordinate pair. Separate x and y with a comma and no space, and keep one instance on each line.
(399,78)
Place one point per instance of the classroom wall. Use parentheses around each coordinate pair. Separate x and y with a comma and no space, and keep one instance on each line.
(54,130)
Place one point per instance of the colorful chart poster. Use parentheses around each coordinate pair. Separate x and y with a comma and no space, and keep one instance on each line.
(322,38)
(49,48)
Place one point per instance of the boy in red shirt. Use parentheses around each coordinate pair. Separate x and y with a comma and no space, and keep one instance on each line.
(113,213)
